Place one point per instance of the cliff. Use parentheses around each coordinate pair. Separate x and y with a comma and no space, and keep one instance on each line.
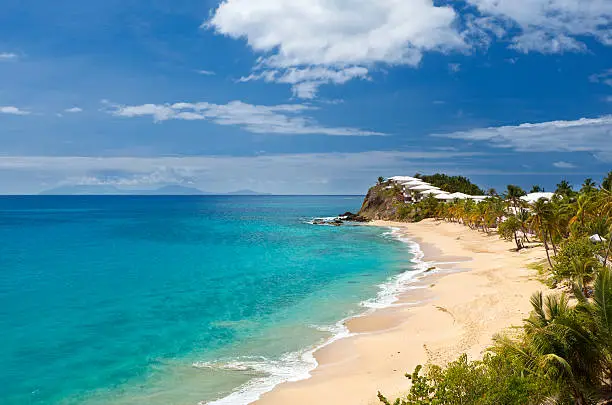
(382,203)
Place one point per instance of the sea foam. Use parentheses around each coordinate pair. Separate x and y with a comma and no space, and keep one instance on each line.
(297,366)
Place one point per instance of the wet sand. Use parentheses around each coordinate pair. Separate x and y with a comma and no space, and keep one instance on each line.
(480,287)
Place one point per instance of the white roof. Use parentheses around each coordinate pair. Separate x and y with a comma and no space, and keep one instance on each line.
(412,182)
(596,238)
(533,197)
(460,196)
(433,191)
(444,197)
(402,178)
(478,197)
(423,186)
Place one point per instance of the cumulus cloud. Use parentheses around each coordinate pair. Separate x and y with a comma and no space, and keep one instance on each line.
(13,110)
(592,135)
(288,119)
(564,165)
(333,35)
(328,37)
(206,72)
(73,110)
(552,26)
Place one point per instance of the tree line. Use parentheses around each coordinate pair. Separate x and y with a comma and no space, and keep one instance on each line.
(562,354)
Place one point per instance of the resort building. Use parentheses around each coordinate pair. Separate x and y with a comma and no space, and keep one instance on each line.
(415,189)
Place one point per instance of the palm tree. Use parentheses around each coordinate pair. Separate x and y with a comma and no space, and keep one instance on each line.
(381,180)
(540,223)
(597,315)
(581,206)
(605,261)
(606,184)
(564,189)
(537,189)
(509,230)
(588,186)
(524,216)
(581,272)
(557,344)
(513,194)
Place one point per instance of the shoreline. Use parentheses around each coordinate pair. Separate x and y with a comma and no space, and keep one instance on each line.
(454,309)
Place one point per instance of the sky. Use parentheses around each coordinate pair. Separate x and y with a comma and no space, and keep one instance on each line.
(302,96)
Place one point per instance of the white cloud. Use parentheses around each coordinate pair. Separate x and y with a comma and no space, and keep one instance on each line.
(206,72)
(158,176)
(279,119)
(592,135)
(13,110)
(73,110)
(604,77)
(336,173)
(329,36)
(328,32)
(564,165)
(337,34)
(454,67)
(552,26)
(7,56)
(306,81)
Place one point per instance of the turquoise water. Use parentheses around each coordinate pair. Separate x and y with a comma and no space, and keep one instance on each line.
(176,300)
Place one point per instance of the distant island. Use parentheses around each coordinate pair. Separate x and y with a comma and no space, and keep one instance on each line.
(172,189)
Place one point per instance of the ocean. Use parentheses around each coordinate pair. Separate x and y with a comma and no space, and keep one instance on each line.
(179,300)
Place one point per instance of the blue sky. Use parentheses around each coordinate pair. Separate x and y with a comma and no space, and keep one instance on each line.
(302,96)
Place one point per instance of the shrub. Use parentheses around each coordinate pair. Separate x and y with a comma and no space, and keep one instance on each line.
(509,229)
(494,380)
(570,251)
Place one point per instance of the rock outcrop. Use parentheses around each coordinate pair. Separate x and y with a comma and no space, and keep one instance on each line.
(381,202)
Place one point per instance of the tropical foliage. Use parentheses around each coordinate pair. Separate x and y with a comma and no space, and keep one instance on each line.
(562,354)
(452,184)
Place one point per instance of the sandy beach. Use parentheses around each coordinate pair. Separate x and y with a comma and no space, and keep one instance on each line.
(481,287)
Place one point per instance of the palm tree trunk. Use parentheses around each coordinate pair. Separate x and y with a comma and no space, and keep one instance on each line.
(525,235)
(516,240)
(608,250)
(547,253)
(553,243)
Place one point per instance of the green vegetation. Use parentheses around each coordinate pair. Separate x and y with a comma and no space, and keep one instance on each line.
(452,184)
(562,354)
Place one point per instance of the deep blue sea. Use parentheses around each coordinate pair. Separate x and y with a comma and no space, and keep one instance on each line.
(177,300)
